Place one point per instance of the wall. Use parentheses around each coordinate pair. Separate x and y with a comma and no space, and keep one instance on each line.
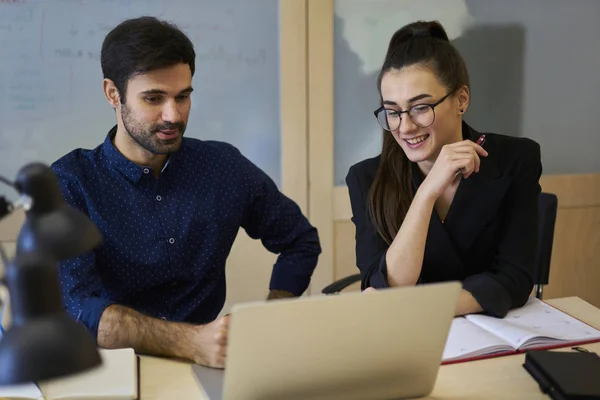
(51,98)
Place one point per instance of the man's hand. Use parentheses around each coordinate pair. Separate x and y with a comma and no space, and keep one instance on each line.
(203,344)
(210,343)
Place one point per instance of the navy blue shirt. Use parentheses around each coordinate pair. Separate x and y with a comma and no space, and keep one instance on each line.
(166,239)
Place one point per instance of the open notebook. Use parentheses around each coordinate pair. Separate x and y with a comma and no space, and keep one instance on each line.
(115,379)
(535,325)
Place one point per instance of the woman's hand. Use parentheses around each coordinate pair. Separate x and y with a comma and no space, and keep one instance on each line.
(456,158)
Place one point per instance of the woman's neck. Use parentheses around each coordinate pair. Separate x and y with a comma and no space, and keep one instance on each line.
(425,166)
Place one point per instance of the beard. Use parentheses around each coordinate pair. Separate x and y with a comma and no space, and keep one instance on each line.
(146,136)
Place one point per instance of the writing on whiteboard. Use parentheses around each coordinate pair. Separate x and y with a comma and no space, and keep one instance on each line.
(40,52)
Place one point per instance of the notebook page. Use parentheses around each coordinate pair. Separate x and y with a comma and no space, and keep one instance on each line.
(116,379)
(466,339)
(23,391)
(536,323)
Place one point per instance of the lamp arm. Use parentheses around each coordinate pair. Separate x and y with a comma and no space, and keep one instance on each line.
(6,207)
(4,296)
(5,260)
(7,182)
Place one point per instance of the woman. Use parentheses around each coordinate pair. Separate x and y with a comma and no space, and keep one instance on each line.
(434,205)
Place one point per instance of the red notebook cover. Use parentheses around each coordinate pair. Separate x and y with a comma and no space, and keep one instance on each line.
(523,350)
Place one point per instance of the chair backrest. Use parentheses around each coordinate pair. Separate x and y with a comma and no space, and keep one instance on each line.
(547,206)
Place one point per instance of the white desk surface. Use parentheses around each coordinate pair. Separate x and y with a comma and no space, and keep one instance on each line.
(495,378)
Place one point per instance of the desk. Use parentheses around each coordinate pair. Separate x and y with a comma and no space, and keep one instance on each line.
(495,378)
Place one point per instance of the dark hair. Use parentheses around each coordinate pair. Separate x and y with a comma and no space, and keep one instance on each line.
(419,43)
(141,45)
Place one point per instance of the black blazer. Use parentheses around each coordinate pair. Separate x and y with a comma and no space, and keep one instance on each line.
(489,238)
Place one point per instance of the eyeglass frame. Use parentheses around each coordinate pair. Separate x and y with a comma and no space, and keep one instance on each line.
(432,106)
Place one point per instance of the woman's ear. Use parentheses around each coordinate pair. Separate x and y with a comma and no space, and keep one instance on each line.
(111,93)
(463,98)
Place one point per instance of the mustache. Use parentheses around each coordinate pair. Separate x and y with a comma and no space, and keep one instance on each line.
(169,126)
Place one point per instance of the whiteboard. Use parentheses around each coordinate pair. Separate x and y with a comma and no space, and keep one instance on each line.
(51,98)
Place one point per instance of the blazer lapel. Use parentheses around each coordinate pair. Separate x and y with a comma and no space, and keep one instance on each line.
(477,200)
(441,261)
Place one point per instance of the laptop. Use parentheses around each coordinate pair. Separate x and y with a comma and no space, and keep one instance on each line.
(382,345)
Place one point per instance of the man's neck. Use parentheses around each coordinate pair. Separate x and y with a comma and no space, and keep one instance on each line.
(137,154)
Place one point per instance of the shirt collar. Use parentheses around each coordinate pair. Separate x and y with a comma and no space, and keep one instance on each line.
(118,161)
(128,168)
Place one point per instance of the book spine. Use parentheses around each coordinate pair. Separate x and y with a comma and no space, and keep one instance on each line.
(481,357)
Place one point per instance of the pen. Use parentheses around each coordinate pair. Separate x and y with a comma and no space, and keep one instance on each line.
(481,140)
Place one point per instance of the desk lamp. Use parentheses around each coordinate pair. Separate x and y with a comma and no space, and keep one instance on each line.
(43,341)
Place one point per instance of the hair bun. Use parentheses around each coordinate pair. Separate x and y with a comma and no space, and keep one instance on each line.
(419,29)
(429,29)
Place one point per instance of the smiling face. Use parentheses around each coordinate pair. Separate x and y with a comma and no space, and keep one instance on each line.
(153,117)
(414,86)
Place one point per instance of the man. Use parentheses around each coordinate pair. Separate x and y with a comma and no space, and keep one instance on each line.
(169,208)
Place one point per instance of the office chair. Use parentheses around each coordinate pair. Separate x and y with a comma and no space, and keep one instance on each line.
(547,207)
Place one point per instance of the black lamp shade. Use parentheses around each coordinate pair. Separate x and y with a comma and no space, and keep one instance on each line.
(44,348)
(64,233)
(44,342)
(51,225)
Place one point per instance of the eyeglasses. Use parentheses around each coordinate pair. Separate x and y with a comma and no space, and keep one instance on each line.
(421,115)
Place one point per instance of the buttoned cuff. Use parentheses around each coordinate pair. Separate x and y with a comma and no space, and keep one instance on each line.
(91,312)
(289,278)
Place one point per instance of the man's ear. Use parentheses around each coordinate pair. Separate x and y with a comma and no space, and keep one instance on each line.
(111,93)
(463,96)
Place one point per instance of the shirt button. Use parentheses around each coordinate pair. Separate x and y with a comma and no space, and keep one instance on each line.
(171,240)
(158,198)
(146,170)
